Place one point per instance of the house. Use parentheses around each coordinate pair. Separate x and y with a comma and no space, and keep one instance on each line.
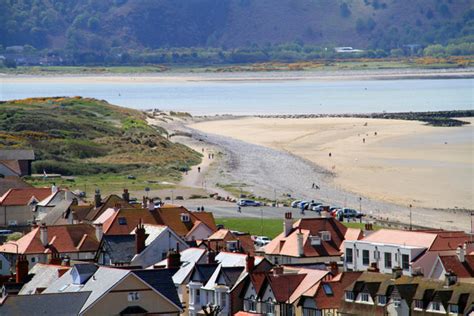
(48,244)
(116,250)
(61,304)
(226,240)
(118,291)
(324,298)
(159,241)
(310,240)
(51,210)
(186,224)
(398,294)
(184,263)
(42,276)
(16,162)
(413,251)
(461,263)
(17,206)
(279,291)
(89,213)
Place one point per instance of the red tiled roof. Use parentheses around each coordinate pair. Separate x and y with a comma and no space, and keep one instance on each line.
(287,246)
(258,280)
(109,202)
(64,239)
(22,196)
(461,269)
(207,218)
(12,182)
(338,285)
(217,241)
(447,240)
(284,285)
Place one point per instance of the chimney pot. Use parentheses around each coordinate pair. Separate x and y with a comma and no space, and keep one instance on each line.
(44,234)
(461,252)
(97,198)
(140,238)
(99,231)
(173,259)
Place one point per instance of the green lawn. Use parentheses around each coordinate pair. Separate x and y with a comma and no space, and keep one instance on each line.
(271,227)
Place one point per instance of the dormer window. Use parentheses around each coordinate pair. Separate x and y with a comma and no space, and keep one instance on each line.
(232,245)
(435,306)
(326,235)
(364,297)
(453,309)
(382,300)
(349,296)
(419,304)
(185,218)
(315,240)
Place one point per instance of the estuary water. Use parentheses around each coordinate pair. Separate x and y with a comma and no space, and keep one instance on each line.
(245,97)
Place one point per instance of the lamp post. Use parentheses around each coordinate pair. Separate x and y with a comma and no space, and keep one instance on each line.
(410,216)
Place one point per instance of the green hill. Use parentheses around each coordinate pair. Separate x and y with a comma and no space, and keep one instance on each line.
(91,138)
(108,29)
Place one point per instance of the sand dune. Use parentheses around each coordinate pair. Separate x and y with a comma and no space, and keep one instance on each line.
(405,163)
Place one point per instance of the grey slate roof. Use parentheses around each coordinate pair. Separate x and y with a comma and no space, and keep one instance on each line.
(58,304)
(17,154)
(160,280)
(202,272)
(119,248)
(43,276)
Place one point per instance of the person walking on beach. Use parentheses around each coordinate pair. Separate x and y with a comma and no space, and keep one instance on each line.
(239,209)
(330,155)
(199,169)
(313,185)
(202,208)
(363,140)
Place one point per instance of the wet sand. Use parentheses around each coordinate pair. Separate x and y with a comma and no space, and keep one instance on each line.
(406,163)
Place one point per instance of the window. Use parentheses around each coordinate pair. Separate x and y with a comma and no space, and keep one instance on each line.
(327,289)
(436,306)
(122,221)
(453,309)
(286,310)
(388,259)
(365,257)
(250,305)
(349,296)
(133,296)
(349,253)
(405,262)
(418,304)
(33,259)
(197,296)
(311,312)
(268,307)
(382,299)
(364,297)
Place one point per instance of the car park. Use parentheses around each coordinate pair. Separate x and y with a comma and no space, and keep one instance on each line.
(243,202)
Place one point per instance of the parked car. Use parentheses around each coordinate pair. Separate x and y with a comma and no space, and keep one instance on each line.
(295,203)
(313,204)
(351,213)
(243,202)
(262,241)
(319,208)
(301,203)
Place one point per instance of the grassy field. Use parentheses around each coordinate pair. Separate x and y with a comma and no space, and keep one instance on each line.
(271,227)
(94,143)
(318,64)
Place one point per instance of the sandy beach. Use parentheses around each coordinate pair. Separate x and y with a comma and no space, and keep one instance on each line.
(405,162)
(200,76)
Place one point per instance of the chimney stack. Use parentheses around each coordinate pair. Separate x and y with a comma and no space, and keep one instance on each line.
(249,263)
(461,252)
(126,195)
(333,268)
(55,258)
(211,256)
(450,278)
(174,259)
(54,188)
(21,269)
(299,240)
(288,223)
(397,272)
(44,234)
(373,267)
(278,270)
(99,231)
(97,198)
(140,238)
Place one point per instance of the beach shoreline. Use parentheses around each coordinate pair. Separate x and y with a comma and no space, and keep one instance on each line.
(250,76)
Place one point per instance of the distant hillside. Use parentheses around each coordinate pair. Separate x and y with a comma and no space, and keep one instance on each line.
(111,26)
(78,136)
